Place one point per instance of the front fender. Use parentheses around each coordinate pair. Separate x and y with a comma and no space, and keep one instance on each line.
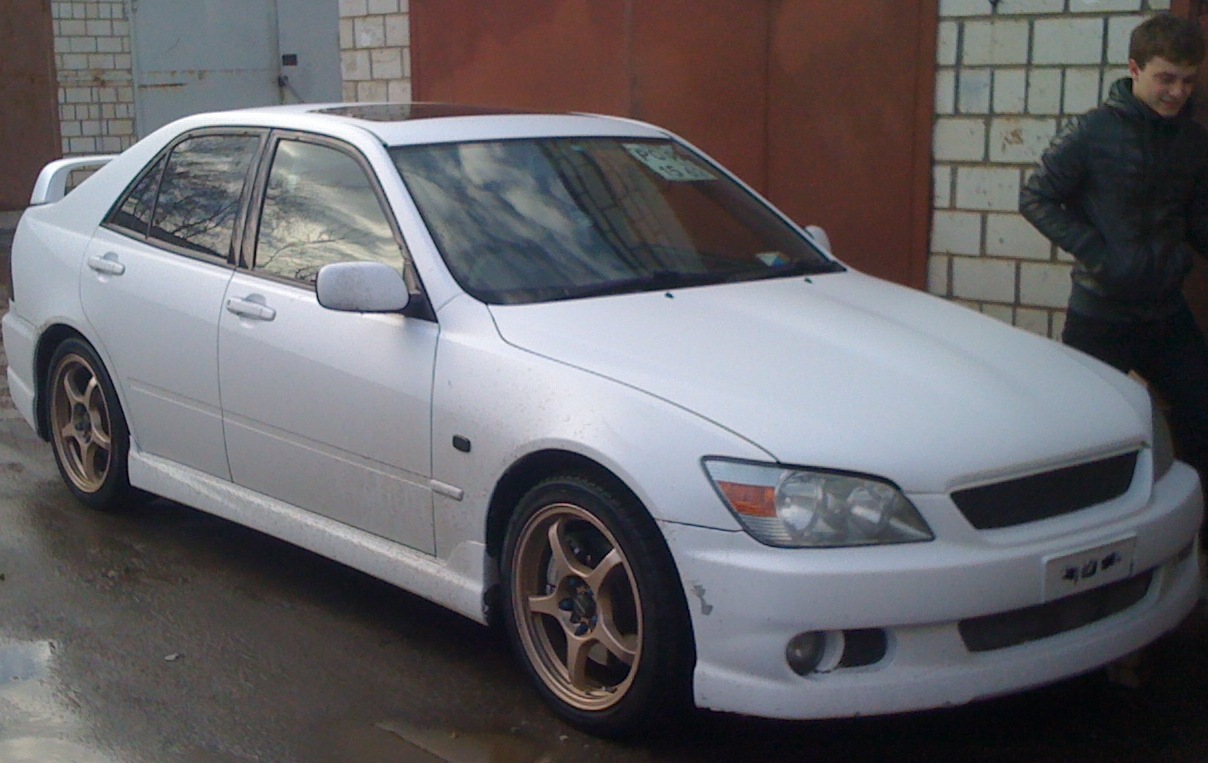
(494,404)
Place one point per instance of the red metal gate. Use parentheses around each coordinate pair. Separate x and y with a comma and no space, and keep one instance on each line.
(826,107)
(29,124)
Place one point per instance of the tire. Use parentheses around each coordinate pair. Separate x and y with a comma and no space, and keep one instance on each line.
(87,429)
(594,608)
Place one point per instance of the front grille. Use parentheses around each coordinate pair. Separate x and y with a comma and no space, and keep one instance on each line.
(1048,494)
(983,634)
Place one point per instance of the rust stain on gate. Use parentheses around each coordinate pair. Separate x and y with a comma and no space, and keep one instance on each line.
(825,107)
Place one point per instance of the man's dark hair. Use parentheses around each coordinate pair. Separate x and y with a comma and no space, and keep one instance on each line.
(1175,39)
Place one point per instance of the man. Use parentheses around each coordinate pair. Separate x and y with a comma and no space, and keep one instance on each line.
(1124,188)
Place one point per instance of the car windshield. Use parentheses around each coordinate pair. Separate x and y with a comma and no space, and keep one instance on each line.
(522,221)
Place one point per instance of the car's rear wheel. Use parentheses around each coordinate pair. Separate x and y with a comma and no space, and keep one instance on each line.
(595,609)
(86,426)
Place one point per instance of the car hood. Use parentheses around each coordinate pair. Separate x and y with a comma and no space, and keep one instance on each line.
(845,371)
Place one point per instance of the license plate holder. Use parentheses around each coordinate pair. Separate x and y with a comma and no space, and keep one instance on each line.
(1074,572)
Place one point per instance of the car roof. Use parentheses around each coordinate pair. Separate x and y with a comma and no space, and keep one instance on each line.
(397,124)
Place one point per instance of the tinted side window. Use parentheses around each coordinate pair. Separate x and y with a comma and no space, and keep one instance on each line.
(134,211)
(320,207)
(199,194)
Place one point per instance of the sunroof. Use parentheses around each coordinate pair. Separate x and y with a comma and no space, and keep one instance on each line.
(401,112)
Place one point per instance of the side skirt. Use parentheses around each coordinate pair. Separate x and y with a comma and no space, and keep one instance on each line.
(456,583)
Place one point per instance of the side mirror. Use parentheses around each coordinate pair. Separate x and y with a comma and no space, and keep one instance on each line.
(818,234)
(362,287)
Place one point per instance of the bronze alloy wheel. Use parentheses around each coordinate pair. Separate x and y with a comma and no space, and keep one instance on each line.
(80,423)
(576,606)
(595,608)
(86,427)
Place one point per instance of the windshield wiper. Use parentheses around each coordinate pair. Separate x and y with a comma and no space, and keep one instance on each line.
(661,280)
(803,268)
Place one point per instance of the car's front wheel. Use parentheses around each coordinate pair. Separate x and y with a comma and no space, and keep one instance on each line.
(594,607)
(86,426)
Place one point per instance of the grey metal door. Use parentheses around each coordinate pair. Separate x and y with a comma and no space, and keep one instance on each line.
(206,55)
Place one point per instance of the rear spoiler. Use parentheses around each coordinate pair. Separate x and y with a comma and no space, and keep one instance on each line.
(52,180)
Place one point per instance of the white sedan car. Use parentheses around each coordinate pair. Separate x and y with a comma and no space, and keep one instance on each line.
(569,372)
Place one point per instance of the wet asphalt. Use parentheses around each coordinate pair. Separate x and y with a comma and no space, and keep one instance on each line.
(158,634)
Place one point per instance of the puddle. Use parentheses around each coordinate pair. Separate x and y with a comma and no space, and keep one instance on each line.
(25,700)
(34,727)
(402,742)
(43,750)
(23,662)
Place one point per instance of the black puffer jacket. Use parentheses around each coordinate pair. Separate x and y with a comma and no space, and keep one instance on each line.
(1125,191)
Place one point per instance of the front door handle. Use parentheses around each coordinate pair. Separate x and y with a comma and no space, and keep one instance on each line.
(250,308)
(106,265)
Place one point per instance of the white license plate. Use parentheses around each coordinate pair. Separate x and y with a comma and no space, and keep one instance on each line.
(1083,570)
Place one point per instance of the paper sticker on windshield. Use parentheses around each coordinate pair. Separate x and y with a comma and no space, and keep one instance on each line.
(663,161)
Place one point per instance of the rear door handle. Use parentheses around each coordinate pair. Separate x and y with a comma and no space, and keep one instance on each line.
(107,264)
(250,308)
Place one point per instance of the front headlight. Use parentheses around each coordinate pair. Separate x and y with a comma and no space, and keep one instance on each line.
(799,508)
(1163,445)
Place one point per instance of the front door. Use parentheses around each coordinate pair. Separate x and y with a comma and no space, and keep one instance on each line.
(325,410)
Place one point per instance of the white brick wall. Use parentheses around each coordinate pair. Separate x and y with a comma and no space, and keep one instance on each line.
(96,80)
(375,50)
(1009,72)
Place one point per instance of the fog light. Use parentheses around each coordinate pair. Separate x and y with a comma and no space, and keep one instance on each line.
(805,651)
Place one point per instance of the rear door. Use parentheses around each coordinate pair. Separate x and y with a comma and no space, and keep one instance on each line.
(152,288)
(326,410)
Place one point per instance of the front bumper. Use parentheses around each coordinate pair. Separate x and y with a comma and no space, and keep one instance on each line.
(747,601)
